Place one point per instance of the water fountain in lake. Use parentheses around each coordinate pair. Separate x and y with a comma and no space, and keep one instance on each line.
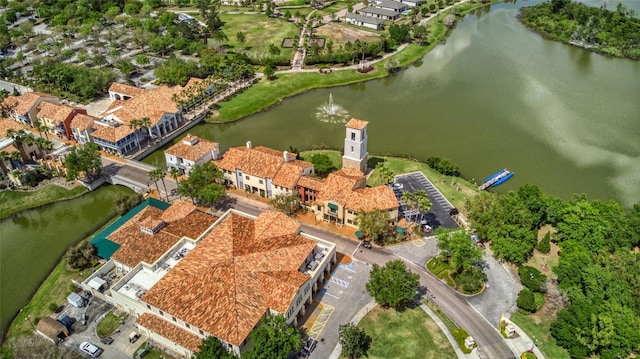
(332,113)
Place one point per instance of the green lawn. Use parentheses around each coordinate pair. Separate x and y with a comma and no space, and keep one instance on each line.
(260,32)
(407,334)
(54,289)
(540,330)
(15,201)
(109,324)
(335,156)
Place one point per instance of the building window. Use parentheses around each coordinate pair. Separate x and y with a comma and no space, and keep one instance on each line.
(319,208)
(353,136)
(349,221)
(246,177)
(260,181)
(174,319)
(161,313)
(187,325)
(201,332)
(351,148)
(148,307)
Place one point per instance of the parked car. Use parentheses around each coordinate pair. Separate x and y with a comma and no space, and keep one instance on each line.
(84,319)
(397,187)
(310,345)
(91,350)
(453,211)
(106,340)
(133,337)
(366,244)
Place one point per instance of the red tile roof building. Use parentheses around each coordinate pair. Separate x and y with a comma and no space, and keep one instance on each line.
(24,108)
(262,170)
(212,280)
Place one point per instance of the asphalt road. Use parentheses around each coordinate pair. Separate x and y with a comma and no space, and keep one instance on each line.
(438,215)
(489,340)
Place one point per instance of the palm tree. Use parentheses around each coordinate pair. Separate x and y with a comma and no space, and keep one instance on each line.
(136,125)
(3,166)
(175,173)
(44,144)
(20,138)
(158,174)
(15,156)
(423,203)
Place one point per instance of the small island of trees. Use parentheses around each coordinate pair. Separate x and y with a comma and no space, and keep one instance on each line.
(615,33)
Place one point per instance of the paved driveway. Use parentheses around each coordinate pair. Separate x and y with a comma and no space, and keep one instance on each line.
(438,216)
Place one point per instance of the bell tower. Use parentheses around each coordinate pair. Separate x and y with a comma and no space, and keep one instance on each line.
(355,145)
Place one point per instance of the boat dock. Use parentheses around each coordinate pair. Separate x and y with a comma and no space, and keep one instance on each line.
(493,180)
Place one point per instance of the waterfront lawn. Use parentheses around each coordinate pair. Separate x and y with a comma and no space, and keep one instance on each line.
(12,202)
(406,334)
(55,289)
(260,31)
(335,156)
(538,327)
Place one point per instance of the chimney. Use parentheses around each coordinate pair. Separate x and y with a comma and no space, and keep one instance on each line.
(190,140)
(285,154)
(249,144)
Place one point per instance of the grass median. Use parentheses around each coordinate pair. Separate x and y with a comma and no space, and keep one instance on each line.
(539,328)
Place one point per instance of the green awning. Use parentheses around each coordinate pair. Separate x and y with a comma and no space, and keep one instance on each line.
(333,206)
(359,234)
(401,230)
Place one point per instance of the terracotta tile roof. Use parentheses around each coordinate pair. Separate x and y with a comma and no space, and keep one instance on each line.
(112,134)
(314,183)
(10,148)
(235,274)
(137,246)
(191,152)
(289,173)
(82,122)
(343,187)
(262,162)
(54,112)
(126,89)
(148,103)
(9,124)
(23,103)
(369,199)
(357,124)
(163,327)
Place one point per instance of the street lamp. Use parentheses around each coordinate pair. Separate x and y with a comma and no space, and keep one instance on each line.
(28,319)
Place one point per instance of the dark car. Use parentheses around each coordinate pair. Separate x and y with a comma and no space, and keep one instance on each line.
(310,345)
(366,244)
(453,212)
(106,340)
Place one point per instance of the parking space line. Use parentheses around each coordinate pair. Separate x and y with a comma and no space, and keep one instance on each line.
(321,321)
(341,282)
(324,291)
(348,267)
(418,242)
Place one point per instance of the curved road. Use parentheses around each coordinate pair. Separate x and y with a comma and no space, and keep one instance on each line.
(491,345)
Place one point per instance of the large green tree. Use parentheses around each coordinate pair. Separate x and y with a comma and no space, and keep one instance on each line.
(202,185)
(355,341)
(286,203)
(323,165)
(273,339)
(393,285)
(211,348)
(84,159)
(373,224)
(460,250)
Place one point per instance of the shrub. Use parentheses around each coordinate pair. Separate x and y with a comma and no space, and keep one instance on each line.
(503,328)
(532,278)
(526,300)
(538,299)
(460,335)
(443,166)
(81,256)
(53,307)
(544,246)
(471,280)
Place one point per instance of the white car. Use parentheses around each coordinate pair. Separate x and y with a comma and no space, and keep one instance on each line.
(92,350)
(397,186)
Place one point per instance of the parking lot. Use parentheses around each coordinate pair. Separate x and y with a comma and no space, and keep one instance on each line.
(341,297)
(438,215)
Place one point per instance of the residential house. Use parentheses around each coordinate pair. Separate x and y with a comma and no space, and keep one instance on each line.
(379,13)
(24,108)
(115,133)
(189,152)
(392,5)
(29,151)
(262,170)
(82,126)
(413,3)
(52,330)
(364,21)
(185,278)
(57,118)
